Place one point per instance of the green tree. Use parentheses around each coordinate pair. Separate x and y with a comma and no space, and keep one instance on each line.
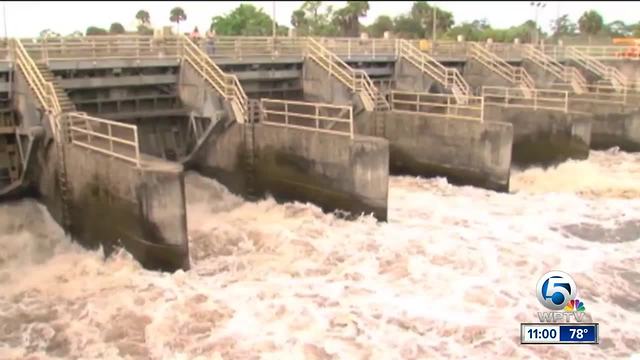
(46,33)
(422,13)
(471,31)
(406,26)
(348,17)
(590,23)
(312,21)
(177,15)
(617,29)
(382,24)
(94,30)
(143,17)
(563,26)
(246,20)
(116,28)
(300,22)
(76,33)
(144,30)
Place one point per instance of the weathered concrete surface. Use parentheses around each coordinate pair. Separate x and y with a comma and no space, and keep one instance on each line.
(331,171)
(409,78)
(114,204)
(612,125)
(319,86)
(478,75)
(467,152)
(544,137)
(196,94)
(543,79)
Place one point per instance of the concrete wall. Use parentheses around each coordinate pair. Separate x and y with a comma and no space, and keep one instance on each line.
(114,204)
(612,125)
(319,86)
(26,104)
(629,68)
(543,79)
(477,75)
(196,94)
(467,152)
(409,78)
(331,171)
(544,137)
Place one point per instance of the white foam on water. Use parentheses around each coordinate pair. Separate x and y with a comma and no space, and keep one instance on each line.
(452,274)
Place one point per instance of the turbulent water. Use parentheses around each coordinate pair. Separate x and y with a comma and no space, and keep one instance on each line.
(452,274)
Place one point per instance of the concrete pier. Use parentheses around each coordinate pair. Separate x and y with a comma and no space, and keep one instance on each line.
(334,172)
(466,152)
(544,137)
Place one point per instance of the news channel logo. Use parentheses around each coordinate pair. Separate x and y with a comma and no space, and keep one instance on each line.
(556,290)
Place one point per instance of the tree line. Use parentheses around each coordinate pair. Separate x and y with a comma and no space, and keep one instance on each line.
(314,19)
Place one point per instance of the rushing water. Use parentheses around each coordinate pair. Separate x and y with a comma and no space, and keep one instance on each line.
(452,274)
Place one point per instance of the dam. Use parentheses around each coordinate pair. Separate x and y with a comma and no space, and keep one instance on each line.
(103,129)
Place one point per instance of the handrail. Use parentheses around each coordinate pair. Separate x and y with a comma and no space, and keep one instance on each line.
(517,75)
(438,105)
(448,77)
(105,136)
(43,90)
(544,61)
(226,85)
(517,97)
(357,80)
(618,80)
(317,117)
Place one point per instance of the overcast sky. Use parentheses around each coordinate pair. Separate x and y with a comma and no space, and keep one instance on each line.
(28,18)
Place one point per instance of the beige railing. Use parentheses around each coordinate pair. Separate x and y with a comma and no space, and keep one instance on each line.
(438,105)
(355,47)
(450,78)
(325,118)
(516,97)
(244,47)
(357,80)
(617,79)
(515,75)
(605,94)
(610,52)
(102,47)
(226,85)
(104,136)
(44,90)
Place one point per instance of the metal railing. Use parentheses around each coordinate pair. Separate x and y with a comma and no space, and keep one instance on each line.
(102,47)
(350,47)
(438,105)
(225,84)
(44,90)
(610,52)
(245,47)
(357,80)
(516,97)
(104,136)
(450,78)
(617,79)
(325,118)
(515,75)
(606,94)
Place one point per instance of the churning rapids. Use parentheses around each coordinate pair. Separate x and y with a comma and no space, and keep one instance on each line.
(451,275)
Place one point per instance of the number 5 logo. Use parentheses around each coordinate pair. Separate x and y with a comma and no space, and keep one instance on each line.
(555,289)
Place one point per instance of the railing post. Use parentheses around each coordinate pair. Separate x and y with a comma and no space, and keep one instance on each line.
(317,114)
(535,100)
(286,113)
(110,137)
(137,145)
(351,122)
(373,50)
(566,101)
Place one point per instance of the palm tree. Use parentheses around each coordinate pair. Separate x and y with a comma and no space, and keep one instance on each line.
(348,17)
(177,15)
(590,23)
(143,17)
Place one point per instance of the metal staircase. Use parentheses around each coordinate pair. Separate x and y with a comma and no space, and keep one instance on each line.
(516,75)
(41,83)
(609,73)
(449,78)
(357,80)
(225,84)
(566,74)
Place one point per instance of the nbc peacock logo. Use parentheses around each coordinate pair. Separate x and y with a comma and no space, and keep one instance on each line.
(575,305)
(556,290)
